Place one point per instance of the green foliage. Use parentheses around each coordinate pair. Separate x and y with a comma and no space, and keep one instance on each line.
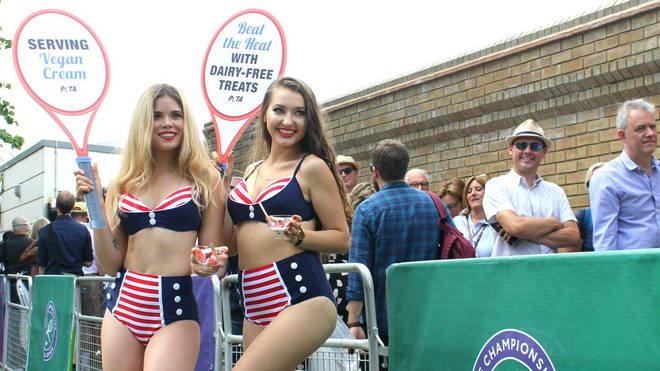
(7,109)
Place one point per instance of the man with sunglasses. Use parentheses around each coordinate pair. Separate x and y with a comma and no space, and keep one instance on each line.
(532,210)
(624,193)
(349,170)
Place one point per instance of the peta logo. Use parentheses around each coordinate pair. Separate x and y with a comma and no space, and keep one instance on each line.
(50,331)
(515,345)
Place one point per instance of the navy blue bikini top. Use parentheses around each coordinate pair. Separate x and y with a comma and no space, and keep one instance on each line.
(177,212)
(282,197)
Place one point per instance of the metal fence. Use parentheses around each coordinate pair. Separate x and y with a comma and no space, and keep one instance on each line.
(17,309)
(333,354)
(17,298)
(88,327)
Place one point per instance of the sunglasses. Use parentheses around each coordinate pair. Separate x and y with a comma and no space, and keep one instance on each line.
(346,171)
(534,146)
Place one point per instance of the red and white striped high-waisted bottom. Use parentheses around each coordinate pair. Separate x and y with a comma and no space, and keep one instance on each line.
(269,289)
(145,303)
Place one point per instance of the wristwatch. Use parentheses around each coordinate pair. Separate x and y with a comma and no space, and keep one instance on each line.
(301,237)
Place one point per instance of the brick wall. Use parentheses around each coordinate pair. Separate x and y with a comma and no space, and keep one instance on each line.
(453,117)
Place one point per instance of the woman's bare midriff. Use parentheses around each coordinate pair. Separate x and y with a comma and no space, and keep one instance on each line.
(160,251)
(257,246)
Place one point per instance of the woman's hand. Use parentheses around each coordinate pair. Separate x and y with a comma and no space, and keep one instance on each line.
(214,264)
(294,230)
(226,172)
(84,184)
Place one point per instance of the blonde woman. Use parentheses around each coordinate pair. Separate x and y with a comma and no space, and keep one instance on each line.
(290,319)
(167,195)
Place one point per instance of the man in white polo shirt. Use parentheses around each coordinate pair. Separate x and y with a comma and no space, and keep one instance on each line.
(535,215)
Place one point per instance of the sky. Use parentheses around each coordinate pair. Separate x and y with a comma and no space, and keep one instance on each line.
(336,47)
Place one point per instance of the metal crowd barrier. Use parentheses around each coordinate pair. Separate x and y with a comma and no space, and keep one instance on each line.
(88,329)
(332,355)
(16,322)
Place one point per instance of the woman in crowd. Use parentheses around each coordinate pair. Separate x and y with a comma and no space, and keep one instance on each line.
(585,222)
(29,256)
(451,194)
(298,177)
(167,195)
(472,221)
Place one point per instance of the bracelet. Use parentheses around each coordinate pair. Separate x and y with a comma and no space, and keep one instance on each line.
(354,324)
(301,237)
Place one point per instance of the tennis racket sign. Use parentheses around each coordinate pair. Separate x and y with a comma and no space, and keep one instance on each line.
(244,57)
(62,65)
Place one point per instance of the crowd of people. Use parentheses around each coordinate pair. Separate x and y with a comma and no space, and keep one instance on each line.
(170,199)
(518,213)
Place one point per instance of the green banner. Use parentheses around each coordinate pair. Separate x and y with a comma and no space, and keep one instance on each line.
(51,330)
(583,311)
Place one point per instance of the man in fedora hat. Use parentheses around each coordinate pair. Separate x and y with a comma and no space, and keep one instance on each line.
(534,214)
(624,193)
(349,170)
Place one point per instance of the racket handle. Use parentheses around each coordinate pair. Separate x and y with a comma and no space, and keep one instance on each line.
(96,218)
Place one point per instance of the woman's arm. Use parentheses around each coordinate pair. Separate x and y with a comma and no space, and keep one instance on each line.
(316,179)
(211,230)
(110,242)
(228,229)
(213,216)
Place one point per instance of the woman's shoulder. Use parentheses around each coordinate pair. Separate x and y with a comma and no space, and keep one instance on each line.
(314,163)
(314,170)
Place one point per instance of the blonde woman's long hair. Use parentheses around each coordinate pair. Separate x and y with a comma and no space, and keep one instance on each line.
(138,163)
(36,227)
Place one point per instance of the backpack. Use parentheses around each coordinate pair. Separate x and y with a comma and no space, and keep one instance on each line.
(454,245)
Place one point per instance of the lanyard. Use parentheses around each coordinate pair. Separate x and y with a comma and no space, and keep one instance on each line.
(481,231)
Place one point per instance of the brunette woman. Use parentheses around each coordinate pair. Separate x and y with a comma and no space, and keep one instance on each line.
(289,307)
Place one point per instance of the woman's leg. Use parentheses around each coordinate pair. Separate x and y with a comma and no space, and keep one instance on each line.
(294,334)
(174,347)
(250,332)
(120,350)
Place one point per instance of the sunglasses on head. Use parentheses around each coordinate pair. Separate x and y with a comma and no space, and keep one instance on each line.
(346,171)
(534,146)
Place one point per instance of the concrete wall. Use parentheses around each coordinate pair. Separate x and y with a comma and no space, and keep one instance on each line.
(453,117)
(40,172)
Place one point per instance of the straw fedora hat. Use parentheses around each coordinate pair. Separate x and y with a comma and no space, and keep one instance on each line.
(529,128)
(341,159)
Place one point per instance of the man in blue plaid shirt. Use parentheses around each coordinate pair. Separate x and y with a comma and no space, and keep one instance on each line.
(396,224)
